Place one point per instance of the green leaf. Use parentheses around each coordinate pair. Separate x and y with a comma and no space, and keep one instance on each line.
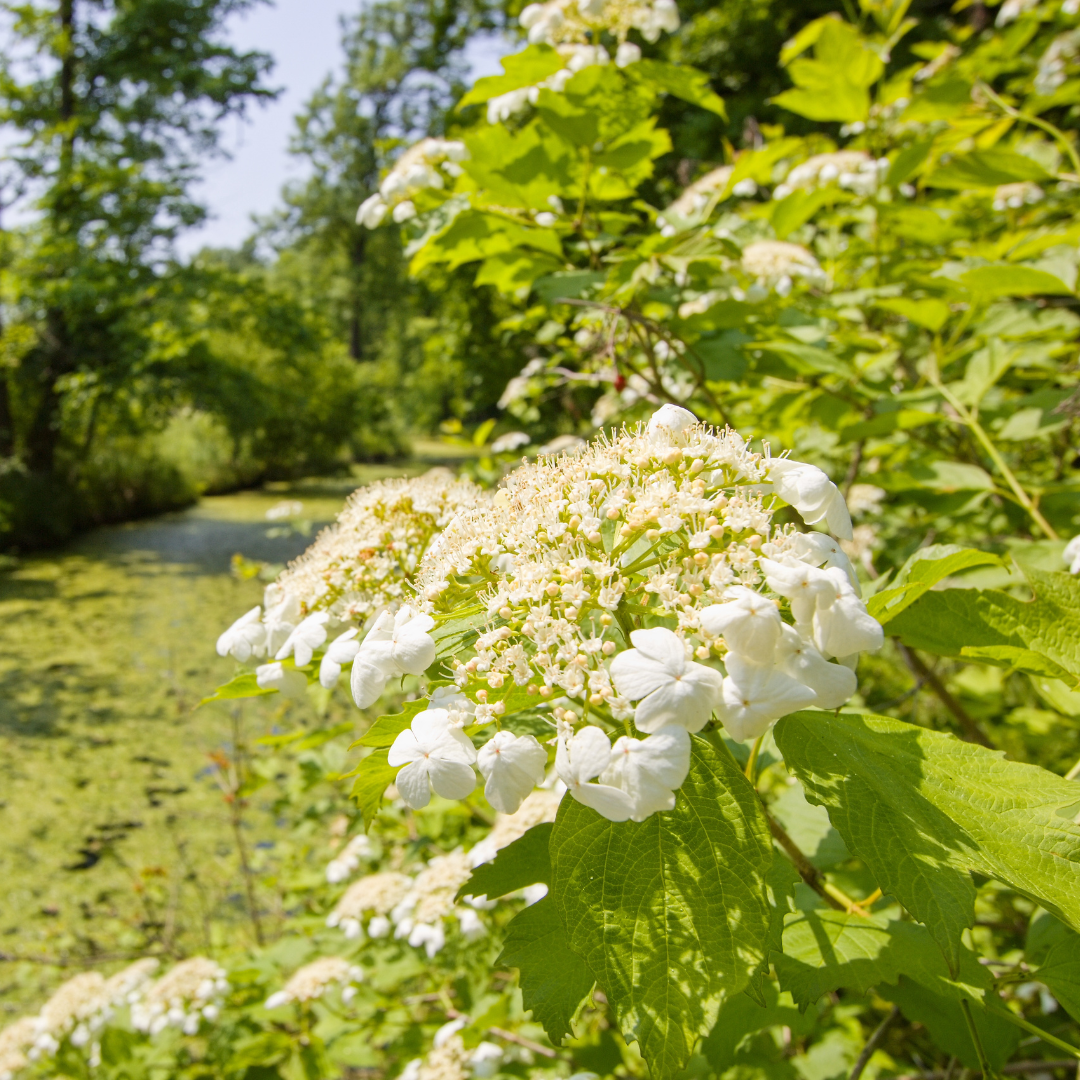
(1008,280)
(929,314)
(805,359)
(670,913)
(800,206)
(243,686)
(554,980)
(924,811)
(387,728)
(809,827)
(828,950)
(906,164)
(1060,970)
(986,168)
(526,68)
(887,422)
(373,776)
(569,284)
(943,476)
(526,861)
(949,621)
(943,1019)
(1015,658)
(741,1017)
(921,573)
(680,81)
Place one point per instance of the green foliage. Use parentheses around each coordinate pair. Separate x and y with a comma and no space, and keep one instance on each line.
(668,914)
(926,811)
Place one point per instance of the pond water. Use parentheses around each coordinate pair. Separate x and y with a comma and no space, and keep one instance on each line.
(113,829)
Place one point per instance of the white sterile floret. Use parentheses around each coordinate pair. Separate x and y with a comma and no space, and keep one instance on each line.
(671,689)
(650,770)
(283,612)
(182,998)
(342,650)
(671,421)
(812,493)
(287,681)
(843,626)
(434,755)
(581,757)
(626,54)
(396,645)
(802,583)
(832,683)
(820,549)
(245,638)
(756,695)
(313,980)
(749,623)
(371,211)
(512,765)
(1071,555)
(305,639)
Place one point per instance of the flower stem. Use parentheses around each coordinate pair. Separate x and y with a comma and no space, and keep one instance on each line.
(874,1042)
(1074,772)
(984,1063)
(751,765)
(1033,1029)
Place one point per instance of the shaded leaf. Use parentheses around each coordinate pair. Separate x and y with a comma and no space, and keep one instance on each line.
(373,776)
(554,980)
(924,811)
(524,862)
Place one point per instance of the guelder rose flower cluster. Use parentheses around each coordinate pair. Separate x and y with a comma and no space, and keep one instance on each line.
(641,579)
(357,569)
(426,164)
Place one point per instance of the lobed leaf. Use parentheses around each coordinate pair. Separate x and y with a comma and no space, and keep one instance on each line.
(670,914)
(925,811)
(526,861)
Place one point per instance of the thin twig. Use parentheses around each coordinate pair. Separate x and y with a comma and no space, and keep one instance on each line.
(509,1036)
(874,1042)
(813,877)
(1074,772)
(972,731)
(973,1031)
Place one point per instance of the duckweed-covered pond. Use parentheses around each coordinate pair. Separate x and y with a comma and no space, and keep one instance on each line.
(115,837)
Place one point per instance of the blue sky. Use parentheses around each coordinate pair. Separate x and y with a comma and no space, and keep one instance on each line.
(303,37)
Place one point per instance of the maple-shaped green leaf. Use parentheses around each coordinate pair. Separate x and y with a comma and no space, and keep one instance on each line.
(373,776)
(554,980)
(1060,970)
(671,913)
(924,811)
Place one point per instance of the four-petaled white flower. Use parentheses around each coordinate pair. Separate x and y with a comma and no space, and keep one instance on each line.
(305,638)
(812,493)
(801,583)
(797,657)
(396,645)
(650,770)
(671,689)
(512,765)
(821,549)
(757,694)
(435,756)
(342,650)
(844,627)
(749,622)
(1071,555)
(245,638)
(578,760)
(287,681)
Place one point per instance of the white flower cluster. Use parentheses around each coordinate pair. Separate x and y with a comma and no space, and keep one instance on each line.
(342,865)
(449,1059)
(413,907)
(776,264)
(81,1006)
(854,170)
(357,569)
(182,998)
(425,164)
(556,22)
(15,1040)
(1056,64)
(671,522)
(700,197)
(310,982)
(1014,196)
